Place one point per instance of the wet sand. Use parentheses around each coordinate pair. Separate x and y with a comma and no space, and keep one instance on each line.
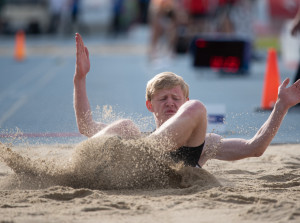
(264,189)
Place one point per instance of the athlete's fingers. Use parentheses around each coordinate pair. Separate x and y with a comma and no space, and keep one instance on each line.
(297,83)
(285,83)
(87,52)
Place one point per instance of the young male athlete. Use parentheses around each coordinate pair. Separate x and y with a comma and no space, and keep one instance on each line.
(180,122)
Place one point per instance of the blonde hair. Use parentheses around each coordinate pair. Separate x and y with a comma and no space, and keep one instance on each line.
(165,80)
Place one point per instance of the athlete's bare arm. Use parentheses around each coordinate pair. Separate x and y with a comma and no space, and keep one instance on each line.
(236,148)
(86,125)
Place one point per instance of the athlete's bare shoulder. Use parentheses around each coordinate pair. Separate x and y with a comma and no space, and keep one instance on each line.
(212,145)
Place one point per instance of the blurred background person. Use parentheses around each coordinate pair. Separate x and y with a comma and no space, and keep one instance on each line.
(55,8)
(240,20)
(223,20)
(241,17)
(294,31)
(200,15)
(117,9)
(69,16)
(164,18)
(124,15)
(1,22)
(143,6)
(75,9)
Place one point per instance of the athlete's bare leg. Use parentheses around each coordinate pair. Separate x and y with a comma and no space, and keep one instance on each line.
(124,128)
(186,128)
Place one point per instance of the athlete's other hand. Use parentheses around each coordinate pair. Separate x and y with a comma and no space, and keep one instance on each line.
(289,96)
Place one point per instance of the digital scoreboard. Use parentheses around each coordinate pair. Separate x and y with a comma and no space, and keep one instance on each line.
(229,55)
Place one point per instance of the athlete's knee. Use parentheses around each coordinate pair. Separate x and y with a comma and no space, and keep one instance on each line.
(195,108)
(127,127)
(126,123)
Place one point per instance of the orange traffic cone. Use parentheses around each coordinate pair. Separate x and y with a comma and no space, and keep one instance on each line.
(20,47)
(271,81)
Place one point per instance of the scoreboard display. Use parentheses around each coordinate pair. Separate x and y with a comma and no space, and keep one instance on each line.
(229,55)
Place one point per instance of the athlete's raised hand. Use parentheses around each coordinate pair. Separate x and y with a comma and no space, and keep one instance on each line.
(289,96)
(82,58)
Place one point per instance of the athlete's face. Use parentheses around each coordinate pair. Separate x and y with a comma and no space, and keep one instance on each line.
(165,103)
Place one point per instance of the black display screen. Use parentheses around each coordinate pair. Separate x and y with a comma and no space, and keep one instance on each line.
(228,55)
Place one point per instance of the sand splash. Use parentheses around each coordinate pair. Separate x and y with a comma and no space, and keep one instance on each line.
(106,163)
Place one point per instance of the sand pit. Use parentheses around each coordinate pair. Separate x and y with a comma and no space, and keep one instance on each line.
(264,189)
